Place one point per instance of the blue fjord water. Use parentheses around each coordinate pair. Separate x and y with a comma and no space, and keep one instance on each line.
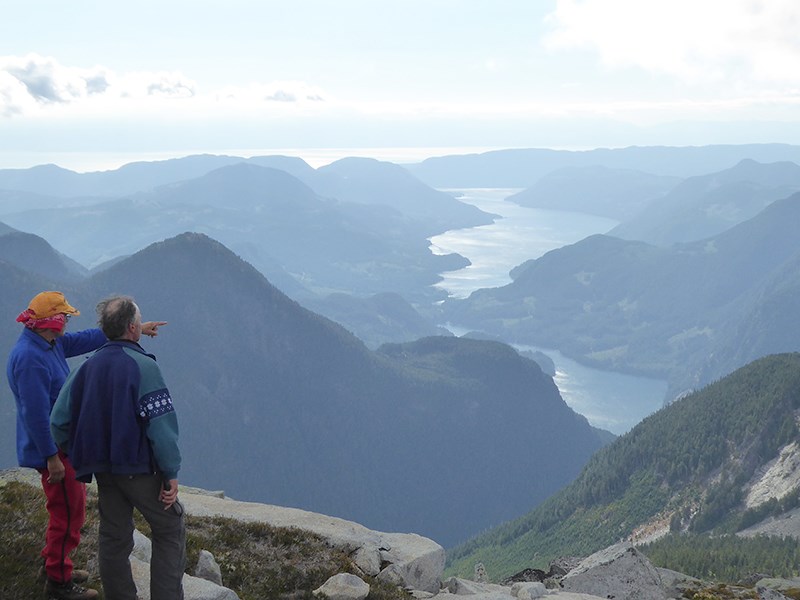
(612,401)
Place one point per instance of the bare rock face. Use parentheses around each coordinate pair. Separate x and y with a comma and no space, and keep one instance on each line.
(343,586)
(777,478)
(405,559)
(528,590)
(208,568)
(558,568)
(773,588)
(526,575)
(194,588)
(770,594)
(619,572)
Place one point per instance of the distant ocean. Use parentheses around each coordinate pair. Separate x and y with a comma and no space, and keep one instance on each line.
(84,162)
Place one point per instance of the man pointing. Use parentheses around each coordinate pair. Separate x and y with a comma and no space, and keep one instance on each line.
(114,418)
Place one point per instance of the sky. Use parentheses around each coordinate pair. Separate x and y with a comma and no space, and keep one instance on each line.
(90,85)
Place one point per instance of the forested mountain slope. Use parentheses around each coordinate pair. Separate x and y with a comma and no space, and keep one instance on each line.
(689,467)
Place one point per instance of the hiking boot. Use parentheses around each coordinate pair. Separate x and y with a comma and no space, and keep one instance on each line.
(67,591)
(78,575)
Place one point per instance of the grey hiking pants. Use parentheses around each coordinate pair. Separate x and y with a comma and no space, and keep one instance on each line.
(118,495)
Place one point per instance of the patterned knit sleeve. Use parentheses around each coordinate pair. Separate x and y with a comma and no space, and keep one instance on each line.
(157,412)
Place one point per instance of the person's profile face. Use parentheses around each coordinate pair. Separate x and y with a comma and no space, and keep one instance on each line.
(60,332)
(135,328)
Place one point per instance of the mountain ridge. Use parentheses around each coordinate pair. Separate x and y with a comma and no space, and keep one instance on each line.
(603,191)
(706,205)
(268,216)
(639,308)
(329,425)
(522,168)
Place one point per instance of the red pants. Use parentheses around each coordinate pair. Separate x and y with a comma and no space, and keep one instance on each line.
(66,507)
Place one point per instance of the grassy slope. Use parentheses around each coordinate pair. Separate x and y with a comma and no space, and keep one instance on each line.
(257,560)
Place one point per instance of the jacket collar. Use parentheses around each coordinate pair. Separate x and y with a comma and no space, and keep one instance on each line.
(38,340)
(128,344)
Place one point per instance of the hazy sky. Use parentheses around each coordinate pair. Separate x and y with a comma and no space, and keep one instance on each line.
(84,77)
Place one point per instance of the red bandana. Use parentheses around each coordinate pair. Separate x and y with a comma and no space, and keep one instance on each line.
(56,322)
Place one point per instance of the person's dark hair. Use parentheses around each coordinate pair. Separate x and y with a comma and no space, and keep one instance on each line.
(115,314)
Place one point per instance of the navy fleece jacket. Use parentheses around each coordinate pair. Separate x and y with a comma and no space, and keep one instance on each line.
(115,415)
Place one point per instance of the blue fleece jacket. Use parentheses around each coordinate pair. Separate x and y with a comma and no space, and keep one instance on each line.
(36,370)
(115,415)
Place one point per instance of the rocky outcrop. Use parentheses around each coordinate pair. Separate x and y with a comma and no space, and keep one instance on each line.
(528,575)
(405,559)
(343,586)
(620,572)
(525,590)
(771,588)
(776,478)
(208,568)
(770,594)
(194,588)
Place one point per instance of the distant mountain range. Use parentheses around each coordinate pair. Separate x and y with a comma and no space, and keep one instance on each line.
(351,180)
(665,312)
(379,418)
(339,237)
(32,253)
(665,210)
(55,182)
(706,205)
(597,190)
(355,230)
(522,168)
(278,404)
(368,181)
(307,243)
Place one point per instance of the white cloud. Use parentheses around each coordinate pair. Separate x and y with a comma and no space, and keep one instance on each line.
(36,85)
(170,86)
(31,83)
(298,95)
(746,43)
(13,95)
(282,96)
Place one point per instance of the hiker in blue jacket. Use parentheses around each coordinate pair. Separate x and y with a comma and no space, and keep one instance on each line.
(36,369)
(115,419)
